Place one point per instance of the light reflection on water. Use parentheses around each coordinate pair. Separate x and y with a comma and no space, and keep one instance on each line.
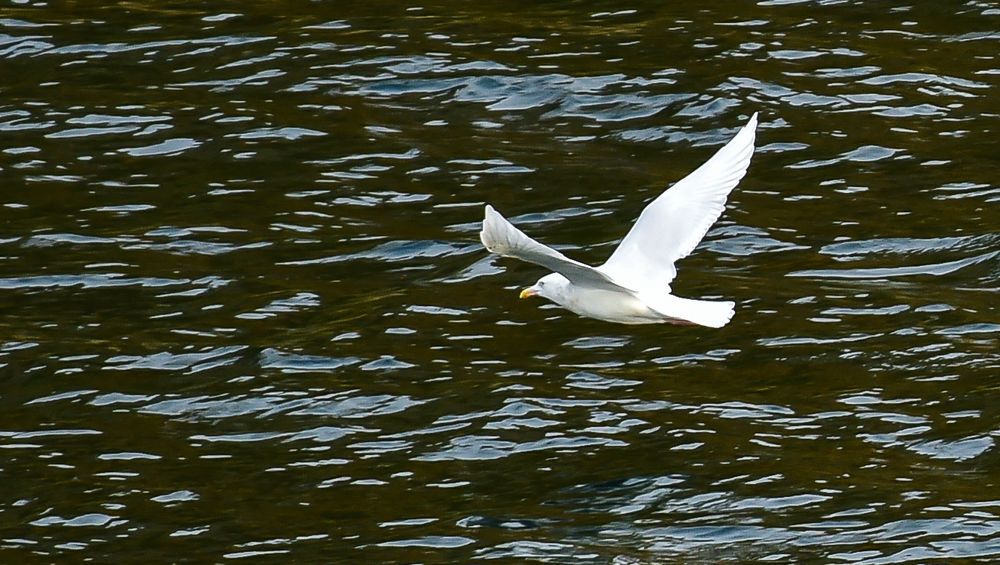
(248,314)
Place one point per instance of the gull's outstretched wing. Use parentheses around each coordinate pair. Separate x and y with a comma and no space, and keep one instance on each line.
(671,226)
(500,236)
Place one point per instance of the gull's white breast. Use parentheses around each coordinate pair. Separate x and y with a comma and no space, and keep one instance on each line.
(610,306)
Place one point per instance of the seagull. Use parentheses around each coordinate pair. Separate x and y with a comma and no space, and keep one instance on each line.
(633,285)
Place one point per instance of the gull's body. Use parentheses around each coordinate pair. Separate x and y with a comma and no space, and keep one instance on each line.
(625,307)
(633,285)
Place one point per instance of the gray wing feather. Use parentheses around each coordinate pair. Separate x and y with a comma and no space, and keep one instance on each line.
(502,237)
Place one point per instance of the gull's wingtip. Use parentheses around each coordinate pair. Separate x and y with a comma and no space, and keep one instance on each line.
(485,235)
(489,212)
(752,122)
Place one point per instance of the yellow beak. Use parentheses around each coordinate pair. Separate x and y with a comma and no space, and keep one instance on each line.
(527,293)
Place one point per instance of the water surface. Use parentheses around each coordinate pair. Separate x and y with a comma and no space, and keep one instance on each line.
(246,314)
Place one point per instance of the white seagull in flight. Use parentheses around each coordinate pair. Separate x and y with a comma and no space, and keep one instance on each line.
(633,285)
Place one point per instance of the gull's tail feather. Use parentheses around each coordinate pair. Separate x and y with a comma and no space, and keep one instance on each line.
(710,313)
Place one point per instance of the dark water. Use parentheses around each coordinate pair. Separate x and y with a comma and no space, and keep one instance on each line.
(245,313)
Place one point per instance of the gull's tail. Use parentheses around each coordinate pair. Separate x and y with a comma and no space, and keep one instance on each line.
(701,312)
(711,314)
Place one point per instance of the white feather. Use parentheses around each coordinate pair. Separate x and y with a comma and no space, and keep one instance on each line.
(633,285)
(673,224)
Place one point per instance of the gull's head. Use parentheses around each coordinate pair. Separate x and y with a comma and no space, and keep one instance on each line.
(552,287)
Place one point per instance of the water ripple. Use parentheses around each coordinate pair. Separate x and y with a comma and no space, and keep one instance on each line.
(242,272)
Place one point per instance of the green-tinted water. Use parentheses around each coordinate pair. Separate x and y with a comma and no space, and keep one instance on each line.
(246,313)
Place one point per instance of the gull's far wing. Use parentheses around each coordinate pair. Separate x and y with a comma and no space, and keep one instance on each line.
(671,225)
(501,237)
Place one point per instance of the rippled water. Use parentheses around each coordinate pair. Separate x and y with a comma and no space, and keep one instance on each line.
(246,313)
